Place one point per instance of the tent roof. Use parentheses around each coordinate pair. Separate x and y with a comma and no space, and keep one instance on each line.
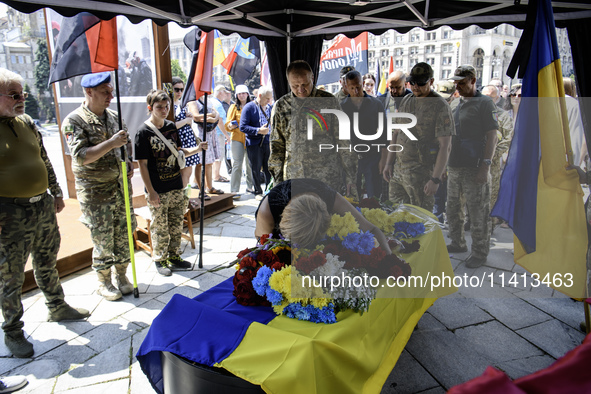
(281,18)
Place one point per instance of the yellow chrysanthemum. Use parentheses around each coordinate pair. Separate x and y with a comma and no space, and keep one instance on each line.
(320,302)
(404,216)
(342,225)
(378,218)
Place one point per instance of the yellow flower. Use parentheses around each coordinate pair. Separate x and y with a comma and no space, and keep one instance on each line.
(379,218)
(342,225)
(280,248)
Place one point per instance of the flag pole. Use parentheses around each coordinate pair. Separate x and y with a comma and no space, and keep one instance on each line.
(136,293)
(202,196)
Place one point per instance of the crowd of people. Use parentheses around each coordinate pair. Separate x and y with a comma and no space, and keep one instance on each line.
(449,163)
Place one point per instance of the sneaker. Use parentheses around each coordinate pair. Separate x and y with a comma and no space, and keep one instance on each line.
(176,262)
(66,312)
(162,268)
(452,248)
(8,384)
(475,262)
(18,344)
(236,196)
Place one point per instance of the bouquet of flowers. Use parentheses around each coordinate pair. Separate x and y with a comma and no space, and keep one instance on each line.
(305,290)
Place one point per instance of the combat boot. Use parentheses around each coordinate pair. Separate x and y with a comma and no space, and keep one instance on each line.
(66,312)
(122,282)
(106,288)
(18,344)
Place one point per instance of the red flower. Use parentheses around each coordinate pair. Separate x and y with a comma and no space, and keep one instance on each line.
(267,257)
(245,294)
(369,203)
(246,273)
(243,253)
(248,262)
(277,266)
(263,239)
(317,259)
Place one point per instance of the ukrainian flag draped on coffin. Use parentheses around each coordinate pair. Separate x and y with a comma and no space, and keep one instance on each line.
(538,197)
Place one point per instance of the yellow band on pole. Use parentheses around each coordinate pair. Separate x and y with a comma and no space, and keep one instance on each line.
(129,229)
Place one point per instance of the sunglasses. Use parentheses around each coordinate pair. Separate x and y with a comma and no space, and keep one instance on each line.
(420,84)
(179,89)
(16,96)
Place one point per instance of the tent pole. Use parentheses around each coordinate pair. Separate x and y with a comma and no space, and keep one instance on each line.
(288,37)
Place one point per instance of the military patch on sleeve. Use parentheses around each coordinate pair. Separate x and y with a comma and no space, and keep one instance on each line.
(68,131)
(495,115)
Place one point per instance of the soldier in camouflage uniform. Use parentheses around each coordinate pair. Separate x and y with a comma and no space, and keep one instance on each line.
(92,131)
(419,167)
(292,154)
(475,117)
(28,224)
(504,135)
(157,142)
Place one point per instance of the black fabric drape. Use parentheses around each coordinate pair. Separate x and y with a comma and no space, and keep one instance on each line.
(307,48)
(579,32)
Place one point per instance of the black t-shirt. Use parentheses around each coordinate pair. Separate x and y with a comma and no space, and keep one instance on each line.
(281,195)
(165,173)
(368,121)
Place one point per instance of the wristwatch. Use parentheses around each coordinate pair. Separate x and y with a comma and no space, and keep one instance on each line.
(488,162)
(436,181)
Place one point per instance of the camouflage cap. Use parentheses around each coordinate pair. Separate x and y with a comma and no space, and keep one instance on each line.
(445,88)
(346,69)
(462,72)
(421,73)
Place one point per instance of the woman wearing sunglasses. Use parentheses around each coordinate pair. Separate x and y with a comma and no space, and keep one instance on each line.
(183,119)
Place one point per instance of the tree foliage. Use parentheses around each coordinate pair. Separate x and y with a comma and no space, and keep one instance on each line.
(31,104)
(176,70)
(41,67)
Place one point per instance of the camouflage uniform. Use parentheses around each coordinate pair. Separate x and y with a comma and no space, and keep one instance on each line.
(588,213)
(294,156)
(28,228)
(414,165)
(504,135)
(99,186)
(167,224)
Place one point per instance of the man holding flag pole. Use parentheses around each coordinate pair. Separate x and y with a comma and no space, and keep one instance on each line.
(100,147)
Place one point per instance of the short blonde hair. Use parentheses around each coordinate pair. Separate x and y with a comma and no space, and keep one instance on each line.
(305,220)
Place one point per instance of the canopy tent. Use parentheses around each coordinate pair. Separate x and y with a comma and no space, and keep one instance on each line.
(294,29)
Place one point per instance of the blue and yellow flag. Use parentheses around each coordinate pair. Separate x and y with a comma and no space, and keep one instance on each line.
(538,197)
(218,51)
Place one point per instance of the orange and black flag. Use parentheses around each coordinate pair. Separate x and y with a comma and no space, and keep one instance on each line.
(84,45)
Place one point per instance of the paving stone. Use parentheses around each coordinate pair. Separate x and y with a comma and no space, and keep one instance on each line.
(238,231)
(8,363)
(206,282)
(243,210)
(186,290)
(566,309)
(408,376)
(525,366)
(48,336)
(39,373)
(144,314)
(216,231)
(553,337)
(84,284)
(117,386)
(512,312)
(447,358)
(70,354)
(428,322)
(110,365)
(109,334)
(108,310)
(458,312)
(496,342)
(500,258)
(139,381)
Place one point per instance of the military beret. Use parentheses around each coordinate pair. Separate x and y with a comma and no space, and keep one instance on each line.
(94,80)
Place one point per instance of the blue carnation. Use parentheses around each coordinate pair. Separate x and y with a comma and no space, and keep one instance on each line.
(409,230)
(261,282)
(273,296)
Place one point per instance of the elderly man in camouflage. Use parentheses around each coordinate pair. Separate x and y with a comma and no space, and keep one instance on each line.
(292,154)
(28,224)
(94,137)
(419,167)
(475,116)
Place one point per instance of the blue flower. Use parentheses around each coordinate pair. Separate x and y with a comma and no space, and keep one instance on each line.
(362,242)
(273,296)
(408,230)
(261,282)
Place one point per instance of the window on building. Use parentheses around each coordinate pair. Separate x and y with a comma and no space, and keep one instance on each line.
(399,63)
(446,34)
(384,52)
(21,59)
(372,42)
(430,49)
(430,60)
(415,37)
(447,48)
(371,65)
(446,60)
(371,54)
(399,38)
(479,30)
(385,40)
(385,64)
(28,59)
(414,50)
(399,51)
(13,59)
(431,36)
(412,62)
(445,74)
